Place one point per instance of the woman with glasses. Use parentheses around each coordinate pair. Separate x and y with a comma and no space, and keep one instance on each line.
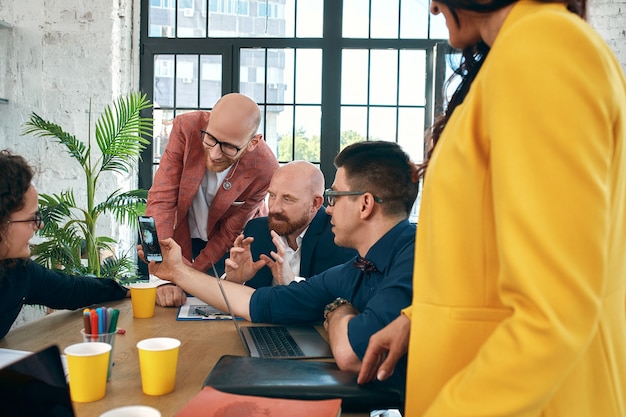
(23,281)
(520,268)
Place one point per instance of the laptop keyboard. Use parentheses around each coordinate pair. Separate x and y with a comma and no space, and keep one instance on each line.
(275,341)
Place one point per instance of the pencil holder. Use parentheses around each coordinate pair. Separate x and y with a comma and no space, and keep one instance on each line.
(104,338)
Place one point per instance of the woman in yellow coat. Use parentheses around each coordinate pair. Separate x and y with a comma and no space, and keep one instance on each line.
(520,268)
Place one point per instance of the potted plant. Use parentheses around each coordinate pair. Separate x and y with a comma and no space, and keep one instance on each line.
(69,232)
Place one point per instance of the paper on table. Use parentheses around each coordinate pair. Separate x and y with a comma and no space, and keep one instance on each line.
(8,356)
(188,311)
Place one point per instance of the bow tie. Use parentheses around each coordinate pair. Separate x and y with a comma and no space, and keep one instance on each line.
(364,265)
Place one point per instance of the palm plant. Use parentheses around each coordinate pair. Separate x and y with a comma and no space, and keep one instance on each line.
(69,231)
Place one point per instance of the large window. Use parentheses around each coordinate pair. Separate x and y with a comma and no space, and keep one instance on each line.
(326,73)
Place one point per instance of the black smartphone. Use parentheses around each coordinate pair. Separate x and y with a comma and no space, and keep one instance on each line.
(149,239)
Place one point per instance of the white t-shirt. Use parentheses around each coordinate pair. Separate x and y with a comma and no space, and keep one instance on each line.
(199,210)
(293,257)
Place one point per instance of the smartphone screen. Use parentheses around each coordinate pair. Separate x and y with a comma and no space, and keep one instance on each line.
(149,239)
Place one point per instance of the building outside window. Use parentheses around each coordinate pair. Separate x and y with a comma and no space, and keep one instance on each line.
(325,73)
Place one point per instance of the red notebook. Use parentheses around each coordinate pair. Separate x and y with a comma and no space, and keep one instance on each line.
(213,403)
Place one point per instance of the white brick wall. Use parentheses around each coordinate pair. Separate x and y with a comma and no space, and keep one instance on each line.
(608,17)
(62,54)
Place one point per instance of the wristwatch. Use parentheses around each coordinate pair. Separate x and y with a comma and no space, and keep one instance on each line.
(334,305)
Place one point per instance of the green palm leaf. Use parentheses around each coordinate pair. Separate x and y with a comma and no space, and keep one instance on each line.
(125,206)
(120,133)
(69,231)
(41,128)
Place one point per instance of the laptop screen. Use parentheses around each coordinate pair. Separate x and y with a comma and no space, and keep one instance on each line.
(229,308)
(36,386)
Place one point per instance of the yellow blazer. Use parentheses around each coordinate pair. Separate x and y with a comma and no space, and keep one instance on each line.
(520,267)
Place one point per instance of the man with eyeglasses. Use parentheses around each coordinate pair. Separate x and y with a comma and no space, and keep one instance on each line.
(295,240)
(374,190)
(212,178)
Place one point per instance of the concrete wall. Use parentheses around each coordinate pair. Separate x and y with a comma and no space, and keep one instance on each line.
(608,17)
(62,54)
(62,57)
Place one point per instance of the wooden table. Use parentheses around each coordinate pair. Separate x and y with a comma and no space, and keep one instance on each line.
(202,344)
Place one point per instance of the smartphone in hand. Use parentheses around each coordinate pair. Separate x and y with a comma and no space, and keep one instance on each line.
(149,239)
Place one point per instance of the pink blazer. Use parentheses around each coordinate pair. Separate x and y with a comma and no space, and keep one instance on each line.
(178,179)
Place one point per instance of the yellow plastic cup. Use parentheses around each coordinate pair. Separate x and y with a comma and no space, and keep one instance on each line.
(158,359)
(105,338)
(87,365)
(143,298)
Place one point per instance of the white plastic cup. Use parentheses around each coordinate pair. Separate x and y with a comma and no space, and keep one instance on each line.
(132,411)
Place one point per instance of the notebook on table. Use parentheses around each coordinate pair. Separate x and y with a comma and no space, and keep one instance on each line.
(279,342)
(35,386)
(303,380)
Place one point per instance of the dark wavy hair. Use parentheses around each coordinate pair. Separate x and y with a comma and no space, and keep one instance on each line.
(383,169)
(472,59)
(15,179)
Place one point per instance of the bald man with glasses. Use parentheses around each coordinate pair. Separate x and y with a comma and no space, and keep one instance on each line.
(212,179)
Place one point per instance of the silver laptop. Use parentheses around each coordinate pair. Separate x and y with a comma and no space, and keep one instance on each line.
(280,342)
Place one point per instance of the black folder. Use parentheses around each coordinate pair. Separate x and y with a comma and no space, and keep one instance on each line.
(305,380)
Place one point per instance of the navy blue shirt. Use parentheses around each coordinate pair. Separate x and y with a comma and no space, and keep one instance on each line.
(31,283)
(378,296)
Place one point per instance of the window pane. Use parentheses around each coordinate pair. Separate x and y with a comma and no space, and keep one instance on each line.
(355,19)
(310,22)
(411,132)
(414,19)
(242,18)
(287,14)
(383,81)
(308,121)
(163,81)
(354,76)
(353,125)
(161,20)
(384,19)
(186,81)
(281,71)
(252,73)
(162,121)
(191,20)
(271,83)
(230,18)
(272,19)
(438,28)
(308,76)
(275,118)
(210,79)
(412,89)
(284,134)
(382,124)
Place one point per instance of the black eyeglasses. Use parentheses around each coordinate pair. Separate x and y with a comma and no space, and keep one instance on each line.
(37,220)
(227,149)
(331,195)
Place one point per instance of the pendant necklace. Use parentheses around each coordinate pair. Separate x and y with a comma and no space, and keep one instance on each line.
(226,184)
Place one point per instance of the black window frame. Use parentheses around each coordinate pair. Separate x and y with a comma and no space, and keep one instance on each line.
(332,44)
